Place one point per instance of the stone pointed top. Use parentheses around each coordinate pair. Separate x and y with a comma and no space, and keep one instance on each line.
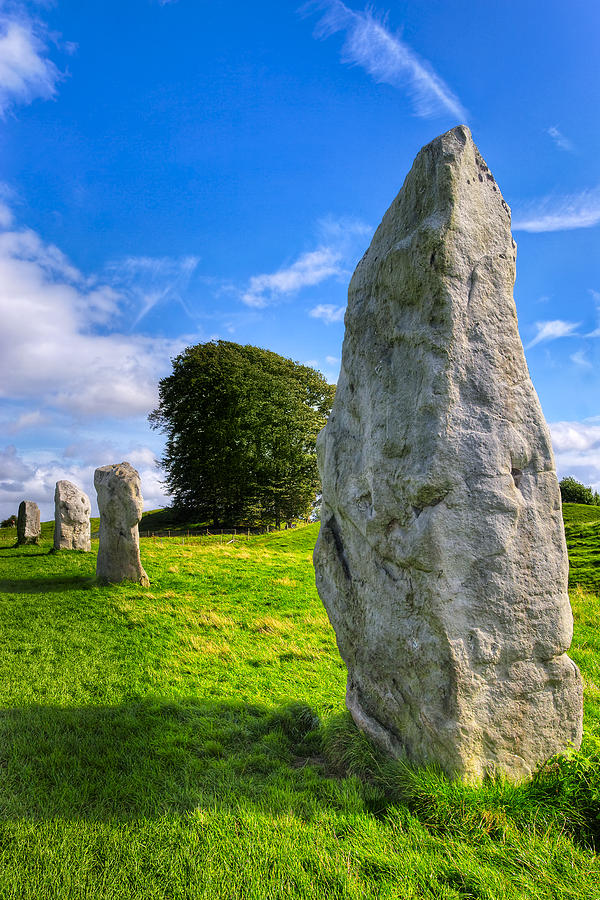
(441,557)
(449,192)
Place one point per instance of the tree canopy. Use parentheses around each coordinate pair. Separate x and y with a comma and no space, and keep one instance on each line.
(573,491)
(241,425)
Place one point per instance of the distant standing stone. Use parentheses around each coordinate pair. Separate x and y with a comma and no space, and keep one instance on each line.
(28,523)
(441,557)
(120,503)
(72,510)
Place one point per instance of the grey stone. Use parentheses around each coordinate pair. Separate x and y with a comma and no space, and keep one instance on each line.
(72,511)
(441,557)
(28,523)
(120,503)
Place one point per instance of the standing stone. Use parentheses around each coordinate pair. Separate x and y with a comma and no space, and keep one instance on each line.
(72,511)
(28,523)
(120,503)
(441,558)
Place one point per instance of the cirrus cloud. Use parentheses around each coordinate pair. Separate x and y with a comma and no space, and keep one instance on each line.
(388,59)
(550,331)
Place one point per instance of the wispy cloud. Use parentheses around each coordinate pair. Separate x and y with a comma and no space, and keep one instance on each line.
(580,359)
(560,213)
(596,332)
(26,72)
(151,280)
(562,142)
(309,269)
(370,43)
(336,250)
(328,312)
(550,331)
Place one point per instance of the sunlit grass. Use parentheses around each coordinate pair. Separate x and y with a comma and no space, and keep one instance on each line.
(189,740)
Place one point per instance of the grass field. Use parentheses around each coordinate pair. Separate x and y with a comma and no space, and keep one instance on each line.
(189,741)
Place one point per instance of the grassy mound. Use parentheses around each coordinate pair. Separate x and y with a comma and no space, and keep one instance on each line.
(189,740)
(577,513)
(582,530)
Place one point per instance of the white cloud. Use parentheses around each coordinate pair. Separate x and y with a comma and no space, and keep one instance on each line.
(560,213)
(562,142)
(550,331)
(51,352)
(568,436)
(337,249)
(328,312)
(580,359)
(12,467)
(6,215)
(26,73)
(332,360)
(27,420)
(387,58)
(21,479)
(308,270)
(577,451)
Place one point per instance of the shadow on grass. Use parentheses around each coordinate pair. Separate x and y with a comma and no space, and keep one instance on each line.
(46,584)
(151,758)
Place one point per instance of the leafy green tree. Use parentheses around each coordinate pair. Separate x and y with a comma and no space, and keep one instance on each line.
(241,426)
(573,491)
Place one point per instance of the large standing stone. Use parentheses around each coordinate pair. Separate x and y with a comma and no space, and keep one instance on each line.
(28,523)
(120,503)
(72,511)
(441,558)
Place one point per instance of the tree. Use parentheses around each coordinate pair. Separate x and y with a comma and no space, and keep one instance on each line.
(573,491)
(241,426)
(9,523)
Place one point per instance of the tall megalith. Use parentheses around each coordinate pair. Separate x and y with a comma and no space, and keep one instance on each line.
(120,503)
(72,510)
(28,523)
(441,557)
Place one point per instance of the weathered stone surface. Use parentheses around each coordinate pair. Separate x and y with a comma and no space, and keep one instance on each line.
(28,523)
(120,503)
(72,511)
(441,558)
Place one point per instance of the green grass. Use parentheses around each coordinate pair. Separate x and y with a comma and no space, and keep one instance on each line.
(189,740)
(582,529)
(574,513)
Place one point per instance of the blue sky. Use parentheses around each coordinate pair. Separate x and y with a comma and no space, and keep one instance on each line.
(173,172)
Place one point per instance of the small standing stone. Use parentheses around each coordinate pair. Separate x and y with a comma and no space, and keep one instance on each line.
(28,523)
(72,510)
(120,503)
